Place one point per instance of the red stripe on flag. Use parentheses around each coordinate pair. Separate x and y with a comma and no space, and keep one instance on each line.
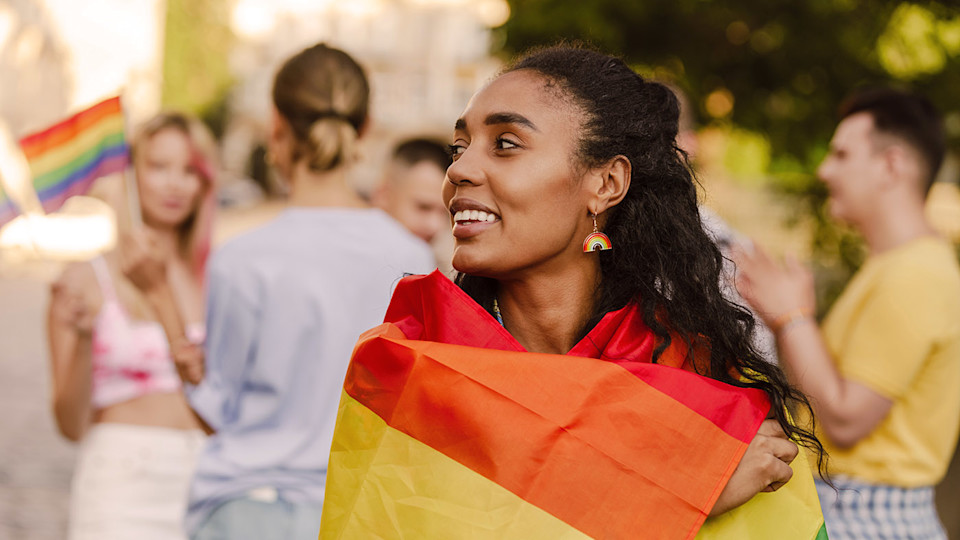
(732,412)
(63,132)
(433,308)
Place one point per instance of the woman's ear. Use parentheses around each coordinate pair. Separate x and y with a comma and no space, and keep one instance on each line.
(364,128)
(279,143)
(614,182)
(278,127)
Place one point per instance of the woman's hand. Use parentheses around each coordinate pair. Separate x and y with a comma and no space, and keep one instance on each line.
(765,467)
(779,293)
(69,308)
(188,358)
(71,319)
(140,264)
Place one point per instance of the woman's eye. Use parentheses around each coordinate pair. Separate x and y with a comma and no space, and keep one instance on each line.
(506,144)
(455,150)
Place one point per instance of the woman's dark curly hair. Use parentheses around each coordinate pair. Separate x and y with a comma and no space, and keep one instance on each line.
(662,257)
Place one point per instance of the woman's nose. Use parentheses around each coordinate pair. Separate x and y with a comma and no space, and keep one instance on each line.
(465,169)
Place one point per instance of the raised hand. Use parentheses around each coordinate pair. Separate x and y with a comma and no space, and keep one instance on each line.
(779,293)
(69,307)
(139,262)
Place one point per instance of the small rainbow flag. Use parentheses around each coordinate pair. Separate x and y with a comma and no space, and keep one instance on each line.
(66,158)
(448,429)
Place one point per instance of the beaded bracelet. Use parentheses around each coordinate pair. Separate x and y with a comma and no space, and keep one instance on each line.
(788,319)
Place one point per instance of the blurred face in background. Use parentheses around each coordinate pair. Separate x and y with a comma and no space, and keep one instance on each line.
(168,178)
(854,169)
(411,194)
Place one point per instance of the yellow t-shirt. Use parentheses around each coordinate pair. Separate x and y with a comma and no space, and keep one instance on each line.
(896,329)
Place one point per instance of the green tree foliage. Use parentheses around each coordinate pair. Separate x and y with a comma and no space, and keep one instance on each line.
(775,67)
(197,41)
(785,63)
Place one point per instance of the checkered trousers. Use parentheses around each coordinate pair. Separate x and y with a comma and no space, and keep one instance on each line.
(861,511)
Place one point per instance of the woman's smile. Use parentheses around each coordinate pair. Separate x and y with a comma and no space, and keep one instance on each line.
(471,218)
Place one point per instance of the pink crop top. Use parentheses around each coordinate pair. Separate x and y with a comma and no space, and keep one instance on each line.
(130,358)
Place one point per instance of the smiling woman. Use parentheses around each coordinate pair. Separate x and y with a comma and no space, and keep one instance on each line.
(568,401)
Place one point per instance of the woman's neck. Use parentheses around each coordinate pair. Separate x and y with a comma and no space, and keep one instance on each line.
(545,311)
(165,240)
(326,189)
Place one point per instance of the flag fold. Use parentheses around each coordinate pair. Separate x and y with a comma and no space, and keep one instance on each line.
(448,429)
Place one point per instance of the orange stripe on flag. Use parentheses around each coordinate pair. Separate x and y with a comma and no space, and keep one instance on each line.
(581,438)
(38,143)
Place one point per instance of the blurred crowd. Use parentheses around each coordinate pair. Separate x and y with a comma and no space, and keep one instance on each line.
(202,382)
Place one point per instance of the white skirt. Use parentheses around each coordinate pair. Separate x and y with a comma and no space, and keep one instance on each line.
(131,482)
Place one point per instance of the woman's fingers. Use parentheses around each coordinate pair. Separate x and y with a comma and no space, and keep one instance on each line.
(780,474)
(771,428)
(70,308)
(140,263)
(776,469)
(774,440)
(779,452)
(785,451)
(189,362)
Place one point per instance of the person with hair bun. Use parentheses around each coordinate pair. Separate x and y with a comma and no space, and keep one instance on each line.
(286,303)
(571,382)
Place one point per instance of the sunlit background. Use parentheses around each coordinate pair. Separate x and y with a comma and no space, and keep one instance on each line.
(763,78)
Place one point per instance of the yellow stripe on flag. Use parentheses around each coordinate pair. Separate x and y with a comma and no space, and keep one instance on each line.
(430,496)
(792,511)
(64,154)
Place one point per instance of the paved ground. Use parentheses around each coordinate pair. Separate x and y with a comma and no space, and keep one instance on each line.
(35,462)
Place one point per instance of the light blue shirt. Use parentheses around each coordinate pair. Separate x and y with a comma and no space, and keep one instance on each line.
(286,305)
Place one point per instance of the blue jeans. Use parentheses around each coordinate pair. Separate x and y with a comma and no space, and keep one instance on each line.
(246,519)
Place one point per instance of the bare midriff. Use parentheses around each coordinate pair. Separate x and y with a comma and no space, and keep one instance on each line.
(169,410)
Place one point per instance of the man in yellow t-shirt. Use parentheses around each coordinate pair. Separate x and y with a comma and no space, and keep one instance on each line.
(883,373)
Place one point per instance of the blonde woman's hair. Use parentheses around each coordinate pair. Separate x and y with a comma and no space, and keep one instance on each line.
(196,232)
(324,96)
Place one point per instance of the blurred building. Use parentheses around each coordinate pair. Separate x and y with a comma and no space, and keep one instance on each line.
(58,56)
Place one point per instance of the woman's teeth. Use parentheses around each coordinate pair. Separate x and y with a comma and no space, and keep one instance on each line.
(474,215)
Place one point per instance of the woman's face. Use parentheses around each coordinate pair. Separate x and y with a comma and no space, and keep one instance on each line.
(169,181)
(514,190)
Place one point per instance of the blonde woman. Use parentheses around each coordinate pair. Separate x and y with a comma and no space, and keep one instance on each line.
(115,388)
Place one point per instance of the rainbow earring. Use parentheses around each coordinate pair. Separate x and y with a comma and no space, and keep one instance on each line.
(596,241)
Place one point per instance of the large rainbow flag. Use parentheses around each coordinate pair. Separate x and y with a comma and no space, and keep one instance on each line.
(448,429)
(65,159)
